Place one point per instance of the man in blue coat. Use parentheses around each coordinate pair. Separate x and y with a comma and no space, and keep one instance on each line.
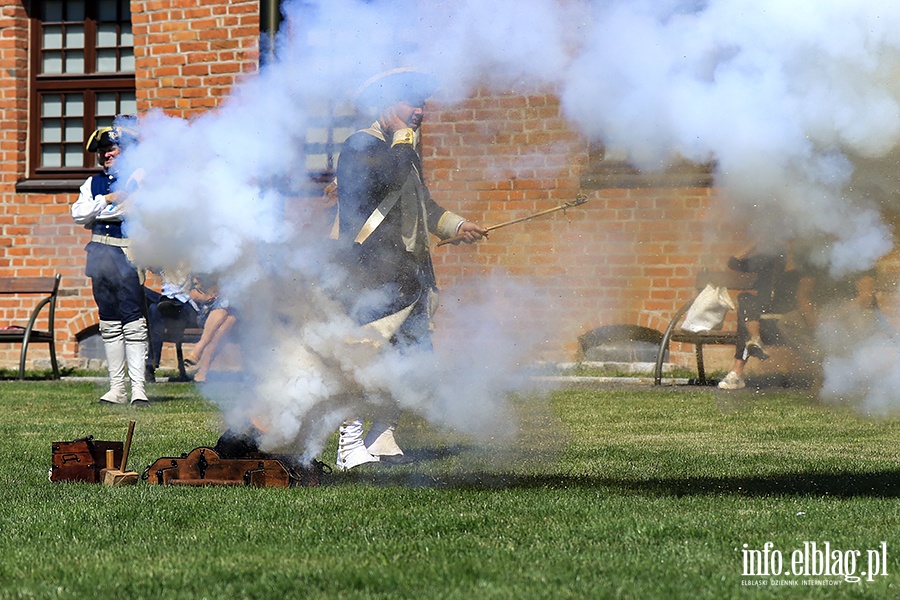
(385,215)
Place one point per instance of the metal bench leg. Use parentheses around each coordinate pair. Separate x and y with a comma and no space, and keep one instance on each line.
(180,355)
(53,362)
(22,358)
(701,372)
(660,356)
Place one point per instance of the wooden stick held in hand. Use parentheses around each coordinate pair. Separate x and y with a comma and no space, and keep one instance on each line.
(579,200)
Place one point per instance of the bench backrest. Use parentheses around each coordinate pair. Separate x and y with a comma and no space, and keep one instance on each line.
(29,285)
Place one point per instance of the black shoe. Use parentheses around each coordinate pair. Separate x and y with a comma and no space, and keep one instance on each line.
(149,374)
(140,403)
(755,349)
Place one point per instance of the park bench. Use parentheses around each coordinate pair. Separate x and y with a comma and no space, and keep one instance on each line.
(734,282)
(48,287)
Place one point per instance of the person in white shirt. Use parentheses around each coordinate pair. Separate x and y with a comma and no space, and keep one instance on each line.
(116,283)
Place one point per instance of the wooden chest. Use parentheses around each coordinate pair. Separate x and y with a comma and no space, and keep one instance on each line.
(82,459)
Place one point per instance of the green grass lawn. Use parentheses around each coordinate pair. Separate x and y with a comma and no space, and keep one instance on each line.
(628,492)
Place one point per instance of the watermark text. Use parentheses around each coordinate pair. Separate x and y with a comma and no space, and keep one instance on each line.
(812,559)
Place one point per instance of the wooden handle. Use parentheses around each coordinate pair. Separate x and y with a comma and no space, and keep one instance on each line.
(579,200)
(127,446)
(110,460)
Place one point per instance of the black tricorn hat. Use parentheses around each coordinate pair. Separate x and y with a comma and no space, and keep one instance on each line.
(397,85)
(110,136)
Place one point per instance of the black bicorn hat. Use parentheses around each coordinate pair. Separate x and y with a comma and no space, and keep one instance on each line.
(397,85)
(110,136)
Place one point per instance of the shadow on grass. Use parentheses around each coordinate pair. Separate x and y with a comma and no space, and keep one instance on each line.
(880,484)
(157,398)
(437,453)
(876,484)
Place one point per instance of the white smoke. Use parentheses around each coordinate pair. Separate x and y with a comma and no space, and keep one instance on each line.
(214,195)
(785,97)
(860,356)
(778,94)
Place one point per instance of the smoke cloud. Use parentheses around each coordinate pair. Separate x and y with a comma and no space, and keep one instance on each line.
(779,95)
(860,356)
(787,100)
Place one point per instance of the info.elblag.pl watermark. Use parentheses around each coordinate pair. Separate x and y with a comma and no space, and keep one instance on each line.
(813,563)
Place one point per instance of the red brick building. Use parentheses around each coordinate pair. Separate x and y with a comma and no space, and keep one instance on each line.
(627,256)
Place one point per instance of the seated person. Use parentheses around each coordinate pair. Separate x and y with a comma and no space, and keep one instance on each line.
(180,302)
(217,321)
(818,302)
(174,306)
(773,293)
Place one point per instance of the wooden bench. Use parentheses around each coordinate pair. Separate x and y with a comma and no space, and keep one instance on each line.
(735,282)
(49,288)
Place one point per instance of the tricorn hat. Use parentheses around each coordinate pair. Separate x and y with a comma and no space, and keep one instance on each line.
(397,85)
(110,136)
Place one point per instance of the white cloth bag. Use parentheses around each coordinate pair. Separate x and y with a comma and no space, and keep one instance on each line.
(708,310)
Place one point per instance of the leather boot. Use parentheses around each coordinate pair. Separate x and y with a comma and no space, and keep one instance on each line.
(136,352)
(351,450)
(114,346)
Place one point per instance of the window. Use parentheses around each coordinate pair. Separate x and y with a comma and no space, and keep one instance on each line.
(82,76)
(331,121)
(607,168)
(329,126)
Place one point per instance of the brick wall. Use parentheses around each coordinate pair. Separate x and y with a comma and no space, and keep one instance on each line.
(626,256)
(13,101)
(188,53)
(26,224)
